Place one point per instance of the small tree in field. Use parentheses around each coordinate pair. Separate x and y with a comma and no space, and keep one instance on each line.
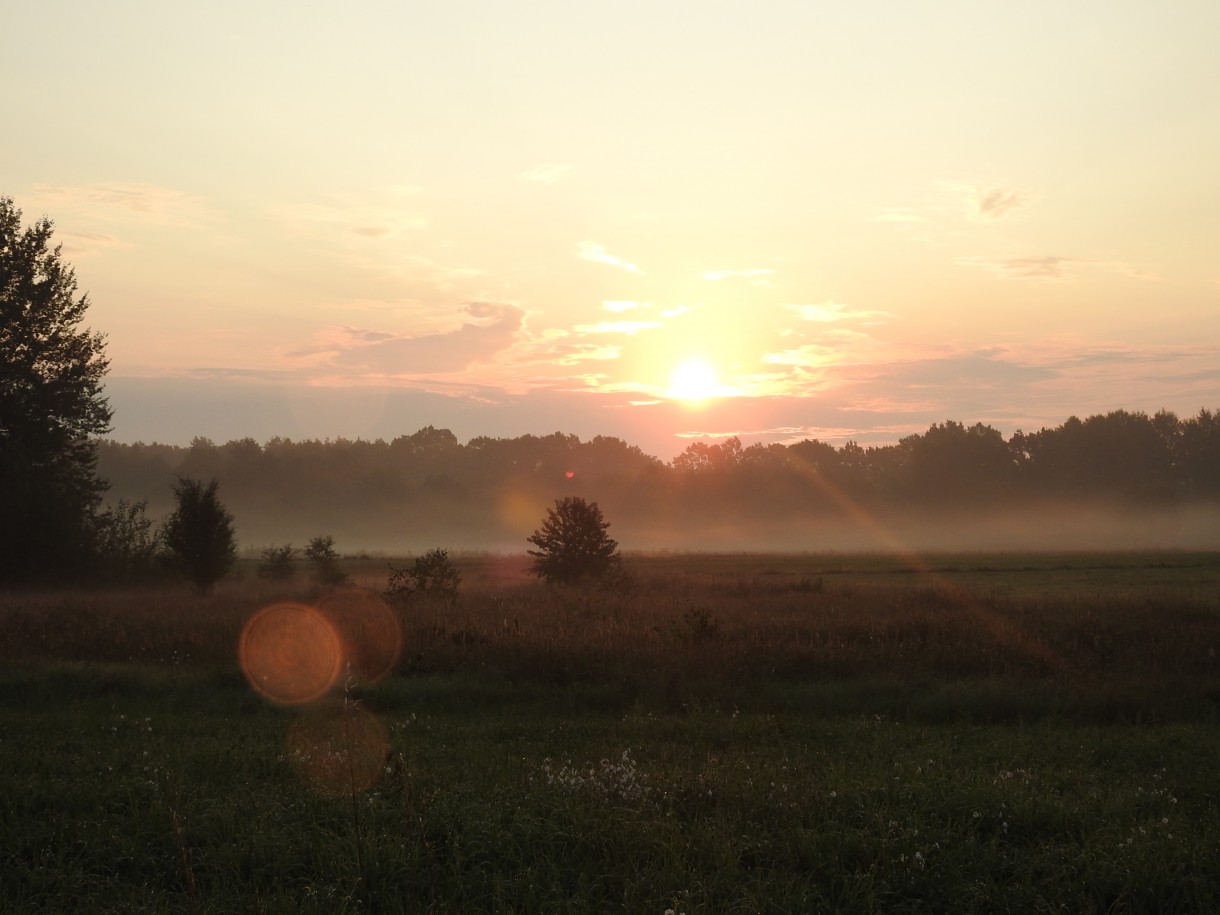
(277,562)
(125,543)
(573,544)
(430,575)
(199,534)
(323,557)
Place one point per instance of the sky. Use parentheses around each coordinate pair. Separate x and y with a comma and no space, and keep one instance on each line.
(663,221)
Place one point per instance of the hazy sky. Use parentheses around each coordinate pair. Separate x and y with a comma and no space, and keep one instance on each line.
(853,219)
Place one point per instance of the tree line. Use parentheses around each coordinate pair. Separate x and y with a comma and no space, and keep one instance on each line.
(428,487)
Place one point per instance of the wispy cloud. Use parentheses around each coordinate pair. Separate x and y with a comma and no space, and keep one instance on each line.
(592,251)
(486,329)
(624,305)
(546,174)
(951,206)
(830,311)
(630,328)
(1049,266)
(1044,267)
(148,200)
(84,244)
(811,354)
(393,213)
(575,353)
(989,202)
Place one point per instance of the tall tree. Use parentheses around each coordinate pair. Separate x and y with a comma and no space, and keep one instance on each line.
(51,407)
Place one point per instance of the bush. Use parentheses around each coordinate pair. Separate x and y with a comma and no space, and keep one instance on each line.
(432,575)
(278,563)
(124,542)
(325,561)
(199,534)
(573,544)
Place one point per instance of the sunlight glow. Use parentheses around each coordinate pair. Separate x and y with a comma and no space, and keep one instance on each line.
(693,380)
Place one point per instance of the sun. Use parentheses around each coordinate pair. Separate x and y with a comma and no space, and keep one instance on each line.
(693,380)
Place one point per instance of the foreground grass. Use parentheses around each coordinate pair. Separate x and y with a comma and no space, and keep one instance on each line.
(136,790)
(732,734)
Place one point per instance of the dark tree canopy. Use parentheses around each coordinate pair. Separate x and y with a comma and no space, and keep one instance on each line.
(199,534)
(51,407)
(573,543)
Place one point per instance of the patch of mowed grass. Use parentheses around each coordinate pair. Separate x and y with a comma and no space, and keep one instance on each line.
(172,792)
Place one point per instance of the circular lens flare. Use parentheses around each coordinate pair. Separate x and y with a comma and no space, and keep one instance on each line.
(340,749)
(290,653)
(371,633)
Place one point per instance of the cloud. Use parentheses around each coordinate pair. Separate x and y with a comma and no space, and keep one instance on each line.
(624,305)
(811,354)
(487,329)
(631,328)
(829,311)
(132,197)
(83,244)
(988,203)
(392,214)
(1043,267)
(546,174)
(575,353)
(943,215)
(592,251)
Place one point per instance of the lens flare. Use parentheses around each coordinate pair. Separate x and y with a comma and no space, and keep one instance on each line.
(291,653)
(339,749)
(371,633)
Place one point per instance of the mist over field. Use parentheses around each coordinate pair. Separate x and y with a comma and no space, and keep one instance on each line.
(1119,481)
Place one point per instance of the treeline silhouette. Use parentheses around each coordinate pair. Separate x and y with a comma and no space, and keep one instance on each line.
(428,489)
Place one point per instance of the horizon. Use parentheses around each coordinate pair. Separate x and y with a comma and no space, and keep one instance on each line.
(664,225)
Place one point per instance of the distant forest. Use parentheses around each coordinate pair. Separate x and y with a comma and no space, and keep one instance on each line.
(1115,480)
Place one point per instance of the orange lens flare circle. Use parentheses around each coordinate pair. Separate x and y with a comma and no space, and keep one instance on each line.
(291,653)
(370,632)
(339,749)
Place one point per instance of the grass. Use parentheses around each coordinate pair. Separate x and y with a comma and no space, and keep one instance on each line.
(733,734)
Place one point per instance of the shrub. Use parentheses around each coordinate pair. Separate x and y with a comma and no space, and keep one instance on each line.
(432,575)
(199,534)
(126,545)
(325,561)
(573,544)
(278,562)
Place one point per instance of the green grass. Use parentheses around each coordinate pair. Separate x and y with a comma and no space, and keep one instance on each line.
(509,801)
(735,734)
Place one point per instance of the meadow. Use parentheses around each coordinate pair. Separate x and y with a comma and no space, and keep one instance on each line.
(718,733)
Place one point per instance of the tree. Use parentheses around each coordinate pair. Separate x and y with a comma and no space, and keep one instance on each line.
(573,543)
(199,534)
(277,563)
(125,544)
(325,561)
(51,407)
(430,575)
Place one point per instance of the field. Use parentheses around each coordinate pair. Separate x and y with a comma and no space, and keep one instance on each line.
(720,733)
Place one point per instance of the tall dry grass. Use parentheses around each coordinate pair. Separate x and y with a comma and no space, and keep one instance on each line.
(688,628)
